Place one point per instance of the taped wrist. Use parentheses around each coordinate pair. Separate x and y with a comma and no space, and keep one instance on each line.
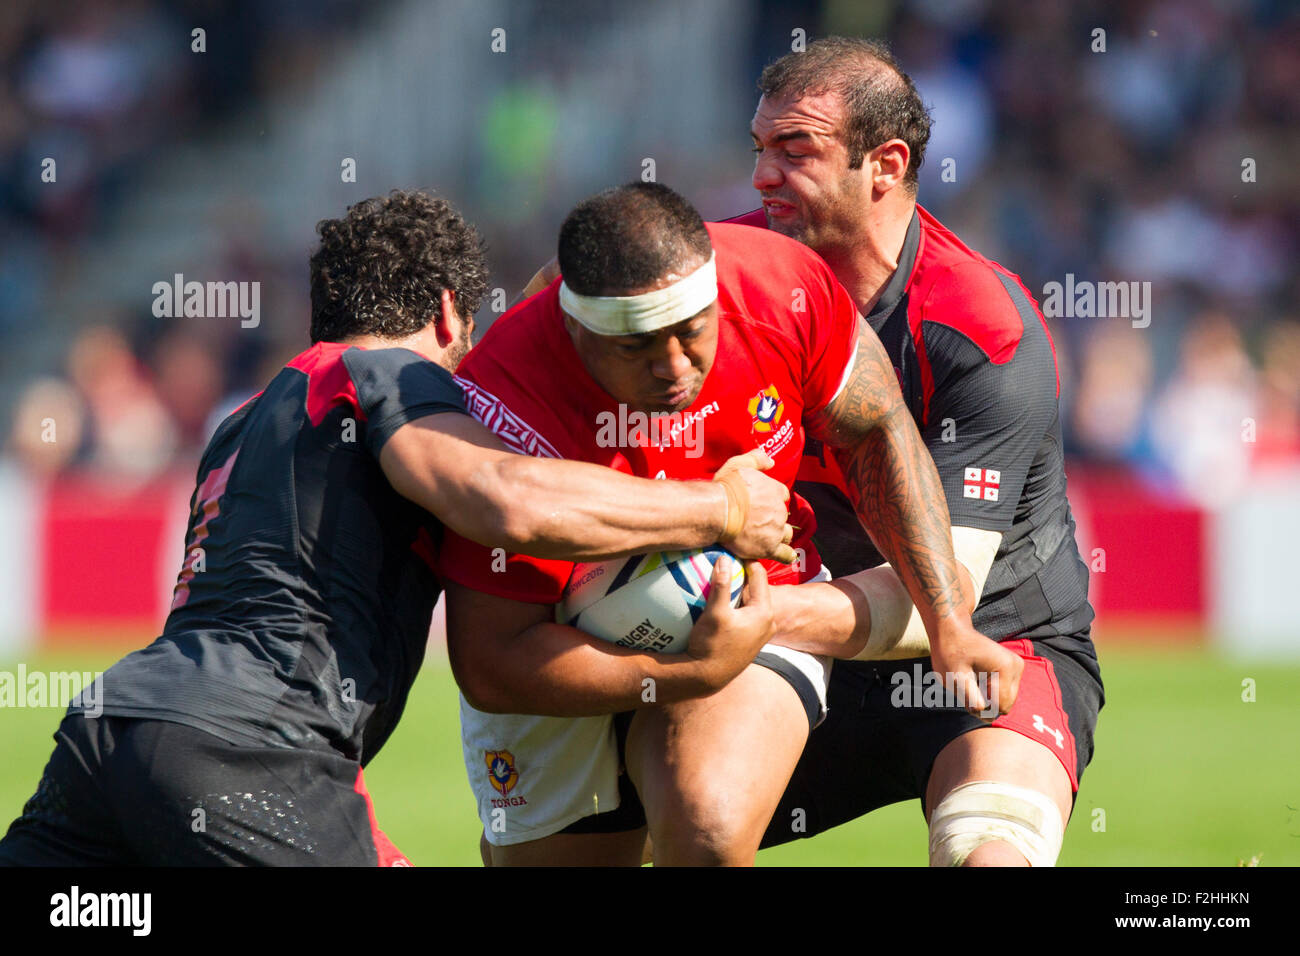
(737,503)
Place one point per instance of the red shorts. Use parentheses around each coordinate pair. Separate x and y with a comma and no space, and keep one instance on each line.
(1039,711)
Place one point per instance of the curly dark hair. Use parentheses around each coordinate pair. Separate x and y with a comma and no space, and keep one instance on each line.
(628,237)
(381,269)
(880,100)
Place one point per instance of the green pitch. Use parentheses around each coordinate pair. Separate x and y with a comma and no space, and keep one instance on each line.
(1186,771)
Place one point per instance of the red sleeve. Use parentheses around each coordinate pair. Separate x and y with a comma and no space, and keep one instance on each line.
(501,573)
(833,335)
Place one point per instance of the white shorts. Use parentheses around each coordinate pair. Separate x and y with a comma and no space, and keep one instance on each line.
(533,776)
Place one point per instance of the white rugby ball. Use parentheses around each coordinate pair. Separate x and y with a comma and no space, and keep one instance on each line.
(648,601)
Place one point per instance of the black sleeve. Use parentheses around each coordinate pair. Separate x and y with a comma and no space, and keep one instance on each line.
(986,423)
(397,386)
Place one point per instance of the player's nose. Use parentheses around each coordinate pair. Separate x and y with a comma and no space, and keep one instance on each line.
(673,364)
(766,174)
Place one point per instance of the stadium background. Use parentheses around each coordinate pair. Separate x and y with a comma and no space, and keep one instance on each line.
(1130,164)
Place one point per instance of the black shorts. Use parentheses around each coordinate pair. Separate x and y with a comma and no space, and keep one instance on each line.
(124,791)
(876,746)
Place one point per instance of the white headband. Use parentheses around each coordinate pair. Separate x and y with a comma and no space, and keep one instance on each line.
(636,314)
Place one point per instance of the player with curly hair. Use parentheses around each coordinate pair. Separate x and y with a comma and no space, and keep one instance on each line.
(300,616)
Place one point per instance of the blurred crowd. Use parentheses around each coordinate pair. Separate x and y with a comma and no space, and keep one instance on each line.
(1160,150)
(1140,142)
(104,85)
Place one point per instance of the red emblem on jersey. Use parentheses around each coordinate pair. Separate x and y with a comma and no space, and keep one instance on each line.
(981,483)
(767,409)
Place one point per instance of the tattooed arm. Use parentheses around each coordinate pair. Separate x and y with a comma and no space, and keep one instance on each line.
(899,500)
(893,483)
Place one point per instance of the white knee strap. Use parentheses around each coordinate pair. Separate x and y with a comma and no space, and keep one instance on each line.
(984,811)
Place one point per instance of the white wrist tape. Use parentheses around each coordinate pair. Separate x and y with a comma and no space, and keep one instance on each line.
(637,314)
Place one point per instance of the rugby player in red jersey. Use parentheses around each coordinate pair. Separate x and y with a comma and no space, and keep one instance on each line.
(748,336)
(839,134)
(302,611)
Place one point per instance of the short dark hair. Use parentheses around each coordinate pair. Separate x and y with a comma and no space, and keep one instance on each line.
(628,237)
(880,100)
(381,269)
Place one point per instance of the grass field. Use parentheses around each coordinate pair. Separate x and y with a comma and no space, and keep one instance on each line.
(1186,772)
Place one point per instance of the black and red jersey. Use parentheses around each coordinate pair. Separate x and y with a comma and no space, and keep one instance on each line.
(977,369)
(303,606)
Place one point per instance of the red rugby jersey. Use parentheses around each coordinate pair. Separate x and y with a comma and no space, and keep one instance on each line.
(786,339)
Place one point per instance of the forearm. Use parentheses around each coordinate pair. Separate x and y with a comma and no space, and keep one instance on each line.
(456,469)
(897,631)
(901,504)
(576,511)
(869,615)
(557,671)
(831,619)
(863,616)
(894,485)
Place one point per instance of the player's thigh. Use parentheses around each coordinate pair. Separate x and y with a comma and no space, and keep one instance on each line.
(626,848)
(710,771)
(1043,744)
(863,756)
(992,797)
(1002,795)
(535,777)
(1003,756)
(187,798)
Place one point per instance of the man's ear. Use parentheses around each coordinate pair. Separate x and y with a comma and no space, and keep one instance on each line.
(447,321)
(888,165)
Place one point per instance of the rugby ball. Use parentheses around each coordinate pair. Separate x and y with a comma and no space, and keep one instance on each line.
(648,602)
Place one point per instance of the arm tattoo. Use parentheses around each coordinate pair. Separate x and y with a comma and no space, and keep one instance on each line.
(892,480)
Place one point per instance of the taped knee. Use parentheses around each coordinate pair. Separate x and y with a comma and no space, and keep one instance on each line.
(984,811)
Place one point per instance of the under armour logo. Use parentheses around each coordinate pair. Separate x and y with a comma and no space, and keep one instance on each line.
(1039,725)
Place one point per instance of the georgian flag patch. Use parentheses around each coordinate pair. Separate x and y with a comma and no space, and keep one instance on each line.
(981,483)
